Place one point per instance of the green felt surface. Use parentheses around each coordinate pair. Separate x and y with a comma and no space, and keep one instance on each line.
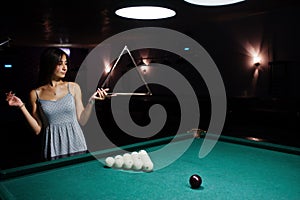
(230,171)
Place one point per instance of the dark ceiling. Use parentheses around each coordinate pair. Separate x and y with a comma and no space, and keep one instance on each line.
(87,23)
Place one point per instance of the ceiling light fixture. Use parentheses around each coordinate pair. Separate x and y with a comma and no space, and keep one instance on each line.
(213,2)
(145,12)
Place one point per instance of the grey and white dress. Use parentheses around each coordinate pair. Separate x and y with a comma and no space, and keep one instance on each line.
(63,135)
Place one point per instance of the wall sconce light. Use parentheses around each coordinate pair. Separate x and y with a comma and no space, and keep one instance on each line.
(146,61)
(256,61)
(107,69)
(144,68)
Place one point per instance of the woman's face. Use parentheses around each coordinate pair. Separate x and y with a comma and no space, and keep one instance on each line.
(61,68)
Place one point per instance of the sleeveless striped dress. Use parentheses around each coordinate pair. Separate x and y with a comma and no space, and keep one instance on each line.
(63,135)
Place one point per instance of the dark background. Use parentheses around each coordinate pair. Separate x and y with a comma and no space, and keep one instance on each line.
(262,102)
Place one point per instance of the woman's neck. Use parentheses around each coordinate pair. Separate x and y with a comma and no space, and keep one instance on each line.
(54,83)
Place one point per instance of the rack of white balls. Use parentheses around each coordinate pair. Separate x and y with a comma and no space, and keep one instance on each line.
(131,161)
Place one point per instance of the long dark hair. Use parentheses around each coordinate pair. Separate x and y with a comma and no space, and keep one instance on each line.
(49,59)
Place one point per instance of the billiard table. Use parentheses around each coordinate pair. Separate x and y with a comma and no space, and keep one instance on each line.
(236,168)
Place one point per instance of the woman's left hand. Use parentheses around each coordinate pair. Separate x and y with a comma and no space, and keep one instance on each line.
(100,94)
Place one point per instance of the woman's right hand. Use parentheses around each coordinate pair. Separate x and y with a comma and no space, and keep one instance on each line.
(13,100)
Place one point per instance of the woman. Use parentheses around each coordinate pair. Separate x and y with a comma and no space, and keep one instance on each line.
(57,108)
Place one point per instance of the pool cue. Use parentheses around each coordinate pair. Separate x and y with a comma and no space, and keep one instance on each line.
(125,94)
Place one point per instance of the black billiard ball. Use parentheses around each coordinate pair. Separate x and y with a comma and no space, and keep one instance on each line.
(195,181)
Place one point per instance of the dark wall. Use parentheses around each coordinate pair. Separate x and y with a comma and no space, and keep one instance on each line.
(251,91)
(232,43)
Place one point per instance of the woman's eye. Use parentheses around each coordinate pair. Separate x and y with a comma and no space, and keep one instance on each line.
(61,63)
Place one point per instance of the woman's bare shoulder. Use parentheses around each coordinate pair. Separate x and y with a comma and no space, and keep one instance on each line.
(37,90)
(74,88)
(73,85)
(34,93)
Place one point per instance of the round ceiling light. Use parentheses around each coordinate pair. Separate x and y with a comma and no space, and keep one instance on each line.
(213,2)
(145,12)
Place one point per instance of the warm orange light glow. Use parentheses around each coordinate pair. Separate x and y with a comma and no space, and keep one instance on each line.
(107,69)
(144,68)
(145,56)
(257,60)
(107,65)
(256,73)
(254,80)
(255,139)
(256,54)
(146,61)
